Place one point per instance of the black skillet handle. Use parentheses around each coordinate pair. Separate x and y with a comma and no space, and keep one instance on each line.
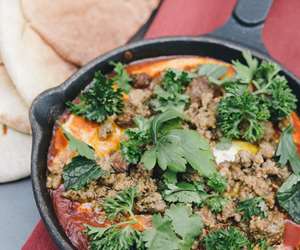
(245,24)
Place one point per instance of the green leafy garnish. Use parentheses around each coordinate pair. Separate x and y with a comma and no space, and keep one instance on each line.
(79,172)
(79,146)
(114,238)
(122,203)
(217,182)
(216,203)
(241,116)
(256,94)
(287,150)
(226,239)
(184,192)
(133,148)
(252,207)
(177,230)
(121,77)
(213,72)
(169,94)
(99,101)
(288,196)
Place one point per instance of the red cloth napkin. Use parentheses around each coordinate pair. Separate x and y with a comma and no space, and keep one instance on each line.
(195,17)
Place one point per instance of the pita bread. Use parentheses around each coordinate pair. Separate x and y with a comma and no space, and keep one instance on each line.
(15,151)
(13,110)
(32,64)
(81,30)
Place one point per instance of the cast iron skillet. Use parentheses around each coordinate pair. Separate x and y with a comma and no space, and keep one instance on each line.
(243,30)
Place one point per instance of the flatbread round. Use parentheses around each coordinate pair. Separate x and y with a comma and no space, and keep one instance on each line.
(13,110)
(15,151)
(31,63)
(81,30)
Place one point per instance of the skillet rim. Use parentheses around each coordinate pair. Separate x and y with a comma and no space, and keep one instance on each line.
(55,230)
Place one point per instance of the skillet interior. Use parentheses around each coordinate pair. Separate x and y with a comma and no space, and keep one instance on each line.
(49,105)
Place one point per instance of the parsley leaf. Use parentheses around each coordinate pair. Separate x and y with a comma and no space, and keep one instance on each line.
(213,72)
(176,230)
(99,101)
(133,148)
(241,116)
(184,192)
(122,203)
(216,203)
(217,182)
(121,77)
(226,239)
(170,93)
(79,172)
(79,146)
(288,196)
(287,150)
(252,207)
(114,238)
(187,225)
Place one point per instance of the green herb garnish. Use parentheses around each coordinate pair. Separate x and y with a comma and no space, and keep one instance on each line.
(121,77)
(226,239)
(252,207)
(99,101)
(177,230)
(216,203)
(79,172)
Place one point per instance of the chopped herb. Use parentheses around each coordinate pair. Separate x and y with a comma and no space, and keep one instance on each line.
(263,245)
(184,192)
(99,101)
(217,182)
(121,77)
(216,203)
(288,197)
(133,148)
(170,93)
(122,203)
(252,207)
(226,239)
(79,146)
(177,230)
(241,116)
(80,172)
(287,150)
(114,237)
(213,72)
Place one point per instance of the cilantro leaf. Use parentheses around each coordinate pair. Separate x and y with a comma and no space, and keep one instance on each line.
(79,146)
(187,225)
(114,238)
(288,197)
(226,239)
(121,77)
(252,207)
(122,203)
(245,73)
(213,72)
(161,236)
(184,192)
(79,172)
(177,230)
(287,150)
(99,101)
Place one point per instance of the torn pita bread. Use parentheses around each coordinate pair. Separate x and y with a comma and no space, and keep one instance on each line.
(15,151)
(31,63)
(81,30)
(13,110)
